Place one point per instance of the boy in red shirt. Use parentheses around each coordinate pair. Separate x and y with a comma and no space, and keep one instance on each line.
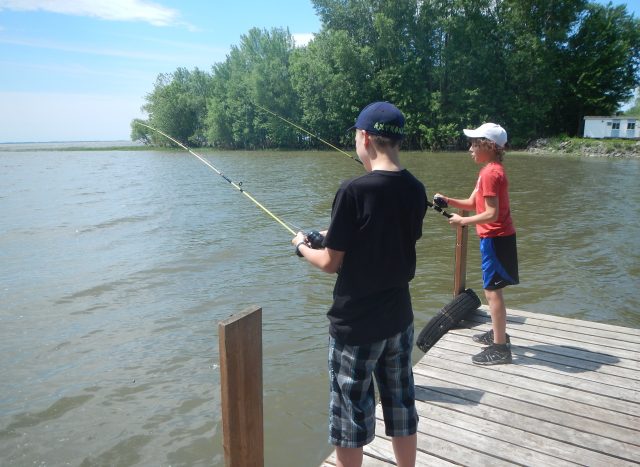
(490,201)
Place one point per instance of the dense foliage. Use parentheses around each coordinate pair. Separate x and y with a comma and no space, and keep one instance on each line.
(634,110)
(535,66)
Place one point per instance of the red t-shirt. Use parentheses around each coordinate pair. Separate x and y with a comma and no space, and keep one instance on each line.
(492,181)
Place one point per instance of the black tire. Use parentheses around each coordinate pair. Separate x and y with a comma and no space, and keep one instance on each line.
(448,317)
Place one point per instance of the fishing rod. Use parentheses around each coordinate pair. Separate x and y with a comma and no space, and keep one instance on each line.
(309,133)
(237,186)
(437,205)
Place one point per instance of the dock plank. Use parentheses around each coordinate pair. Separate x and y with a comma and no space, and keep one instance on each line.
(571,436)
(571,397)
(497,380)
(528,408)
(562,375)
(575,323)
(565,344)
(512,443)
(567,359)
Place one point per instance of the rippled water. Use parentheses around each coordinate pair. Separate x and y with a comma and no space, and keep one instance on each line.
(118,265)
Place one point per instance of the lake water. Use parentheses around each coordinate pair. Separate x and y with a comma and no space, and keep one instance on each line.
(118,265)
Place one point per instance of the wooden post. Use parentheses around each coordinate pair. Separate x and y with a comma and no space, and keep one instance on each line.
(460,273)
(240,341)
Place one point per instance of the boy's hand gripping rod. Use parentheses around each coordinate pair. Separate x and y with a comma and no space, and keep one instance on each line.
(438,204)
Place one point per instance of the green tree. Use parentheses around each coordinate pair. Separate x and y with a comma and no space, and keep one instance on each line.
(468,73)
(602,63)
(271,84)
(635,109)
(331,77)
(534,34)
(140,132)
(255,72)
(177,106)
(355,17)
(535,66)
(389,59)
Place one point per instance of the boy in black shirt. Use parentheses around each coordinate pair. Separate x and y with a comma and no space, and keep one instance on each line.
(375,222)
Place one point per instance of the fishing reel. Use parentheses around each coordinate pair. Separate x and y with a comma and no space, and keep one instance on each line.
(313,239)
(439,204)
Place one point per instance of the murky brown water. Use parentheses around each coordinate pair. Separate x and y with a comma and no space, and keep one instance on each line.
(117,267)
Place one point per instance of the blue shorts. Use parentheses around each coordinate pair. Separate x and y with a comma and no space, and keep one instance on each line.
(352,401)
(499,262)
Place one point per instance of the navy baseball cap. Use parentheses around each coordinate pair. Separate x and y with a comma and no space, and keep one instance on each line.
(381,118)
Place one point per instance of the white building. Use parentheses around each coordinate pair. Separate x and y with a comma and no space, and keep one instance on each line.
(611,127)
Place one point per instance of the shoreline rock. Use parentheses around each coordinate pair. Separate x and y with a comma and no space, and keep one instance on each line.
(585,147)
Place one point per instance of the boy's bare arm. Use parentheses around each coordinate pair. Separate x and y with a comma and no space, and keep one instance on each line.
(325,259)
(468,204)
(489,215)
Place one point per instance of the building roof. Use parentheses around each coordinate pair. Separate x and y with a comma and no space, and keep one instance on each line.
(614,117)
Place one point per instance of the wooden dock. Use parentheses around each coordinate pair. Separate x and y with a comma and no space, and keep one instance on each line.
(571,397)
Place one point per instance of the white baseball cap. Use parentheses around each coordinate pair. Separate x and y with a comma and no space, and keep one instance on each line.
(491,131)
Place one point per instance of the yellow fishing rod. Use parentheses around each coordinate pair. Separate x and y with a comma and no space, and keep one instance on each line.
(233,184)
(308,132)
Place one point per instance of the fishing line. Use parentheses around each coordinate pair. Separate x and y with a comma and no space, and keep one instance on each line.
(309,133)
(436,206)
(237,186)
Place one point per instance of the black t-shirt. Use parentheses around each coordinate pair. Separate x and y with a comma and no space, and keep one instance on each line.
(376,220)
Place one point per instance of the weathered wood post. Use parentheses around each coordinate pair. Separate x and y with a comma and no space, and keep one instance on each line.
(240,341)
(460,273)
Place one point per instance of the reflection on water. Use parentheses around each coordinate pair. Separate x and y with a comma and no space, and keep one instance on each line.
(117,267)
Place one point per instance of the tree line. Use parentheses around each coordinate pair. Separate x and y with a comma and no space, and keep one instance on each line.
(535,66)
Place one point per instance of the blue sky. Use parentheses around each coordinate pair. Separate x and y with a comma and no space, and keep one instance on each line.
(78,70)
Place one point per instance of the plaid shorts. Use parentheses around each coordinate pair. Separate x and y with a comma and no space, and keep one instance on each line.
(352,398)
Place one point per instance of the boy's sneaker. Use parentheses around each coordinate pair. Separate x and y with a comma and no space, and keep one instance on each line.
(486,338)
(495,354)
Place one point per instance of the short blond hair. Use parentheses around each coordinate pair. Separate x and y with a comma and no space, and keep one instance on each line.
(486,143)
(384,142)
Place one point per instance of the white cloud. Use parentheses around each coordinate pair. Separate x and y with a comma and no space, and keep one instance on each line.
(91,50)
(185,53)
(110,52)
(31,117)
(74,70)
(302,39)
(110,10)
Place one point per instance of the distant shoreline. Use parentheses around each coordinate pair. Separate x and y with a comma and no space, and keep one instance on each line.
(581,147)
(121,145)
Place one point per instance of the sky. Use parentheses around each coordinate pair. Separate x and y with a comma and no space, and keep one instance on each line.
(79,70)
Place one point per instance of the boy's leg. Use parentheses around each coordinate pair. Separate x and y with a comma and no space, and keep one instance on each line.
(498,352)
(498,315)
(397,394)
(499,268)
(352,398)
(404,448)
(348,457)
